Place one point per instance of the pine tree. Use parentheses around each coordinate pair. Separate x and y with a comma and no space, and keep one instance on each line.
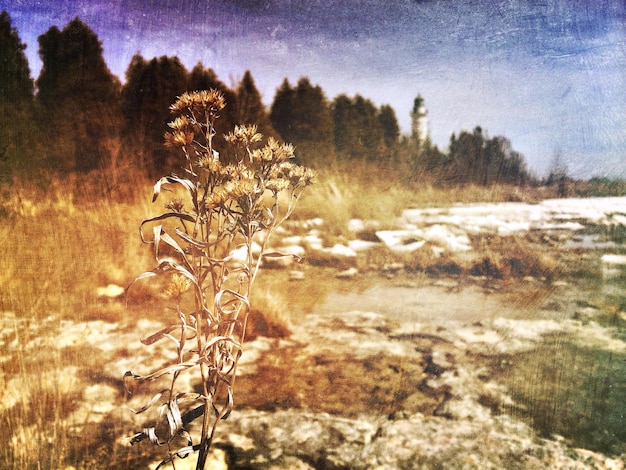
(146,96)
(389,124)
(358,130)
(474,158)
(250,107)
(16,85)
(16,101)
(303,117)
(282,111)
(79,98)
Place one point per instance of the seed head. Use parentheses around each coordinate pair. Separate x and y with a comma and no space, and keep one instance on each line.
(178,138)
(243,136)
(178,286)
(197,102)
(175,205)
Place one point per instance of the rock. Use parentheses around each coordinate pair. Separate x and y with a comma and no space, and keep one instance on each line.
(292,439)
(296,275)
(613,265)
(347,274)
(321,440)
(314,240)
(258,325)
(361,245)
(342,250)
(111,291)
(356,225)
(393,268)
(433,368)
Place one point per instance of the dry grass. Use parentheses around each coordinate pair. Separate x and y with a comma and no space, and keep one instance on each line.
(61,249)
(65,239)
(363,191)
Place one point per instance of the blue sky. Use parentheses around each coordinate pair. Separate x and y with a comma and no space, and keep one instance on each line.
(548,74)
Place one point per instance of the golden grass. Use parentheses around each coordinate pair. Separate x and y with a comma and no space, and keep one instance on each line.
(62,241)
(65,239)
(60,250)
(71,237)
(364,191)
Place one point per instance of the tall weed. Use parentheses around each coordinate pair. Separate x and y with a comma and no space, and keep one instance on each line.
(205,244)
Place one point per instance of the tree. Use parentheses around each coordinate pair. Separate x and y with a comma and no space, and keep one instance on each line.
(146,96)
(282,111)
(389,124)
(358,130)
(302,116)
(558,174)
(16,100)
(250,107)
(16,85)
(79,98)
(473,158)
(465,157)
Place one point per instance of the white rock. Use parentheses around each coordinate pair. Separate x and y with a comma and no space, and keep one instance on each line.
(342,250)
(111,291)
(296,275)
(292,250)
(609,259)
(356,225)
(361,245)
(347,274)
(314,241)
(293,240)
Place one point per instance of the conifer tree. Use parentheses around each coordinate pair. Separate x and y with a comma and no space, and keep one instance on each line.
(282,111)
(16,85)
(474,158)
(250,107)
(146,96)
(389,124)
(358,131)
(79,98)
(16,100)
(303,117)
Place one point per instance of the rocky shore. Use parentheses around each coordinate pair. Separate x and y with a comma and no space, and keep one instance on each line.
(381,365)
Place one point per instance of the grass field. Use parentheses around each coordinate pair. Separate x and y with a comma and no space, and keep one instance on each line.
(65,241)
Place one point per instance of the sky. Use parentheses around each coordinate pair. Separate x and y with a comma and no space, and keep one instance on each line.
(550,75)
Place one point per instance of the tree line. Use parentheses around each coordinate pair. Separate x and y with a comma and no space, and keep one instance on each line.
(78,117)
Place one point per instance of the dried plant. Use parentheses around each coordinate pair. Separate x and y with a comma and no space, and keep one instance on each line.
(210,243)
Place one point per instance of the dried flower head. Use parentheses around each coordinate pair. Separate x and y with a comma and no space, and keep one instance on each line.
(210,102)
(276,185)
(180,123)
(243,136)
(273,152)
(178,138)
(175,205)
(179,284)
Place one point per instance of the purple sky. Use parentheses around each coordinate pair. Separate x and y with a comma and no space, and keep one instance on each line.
(550,75)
